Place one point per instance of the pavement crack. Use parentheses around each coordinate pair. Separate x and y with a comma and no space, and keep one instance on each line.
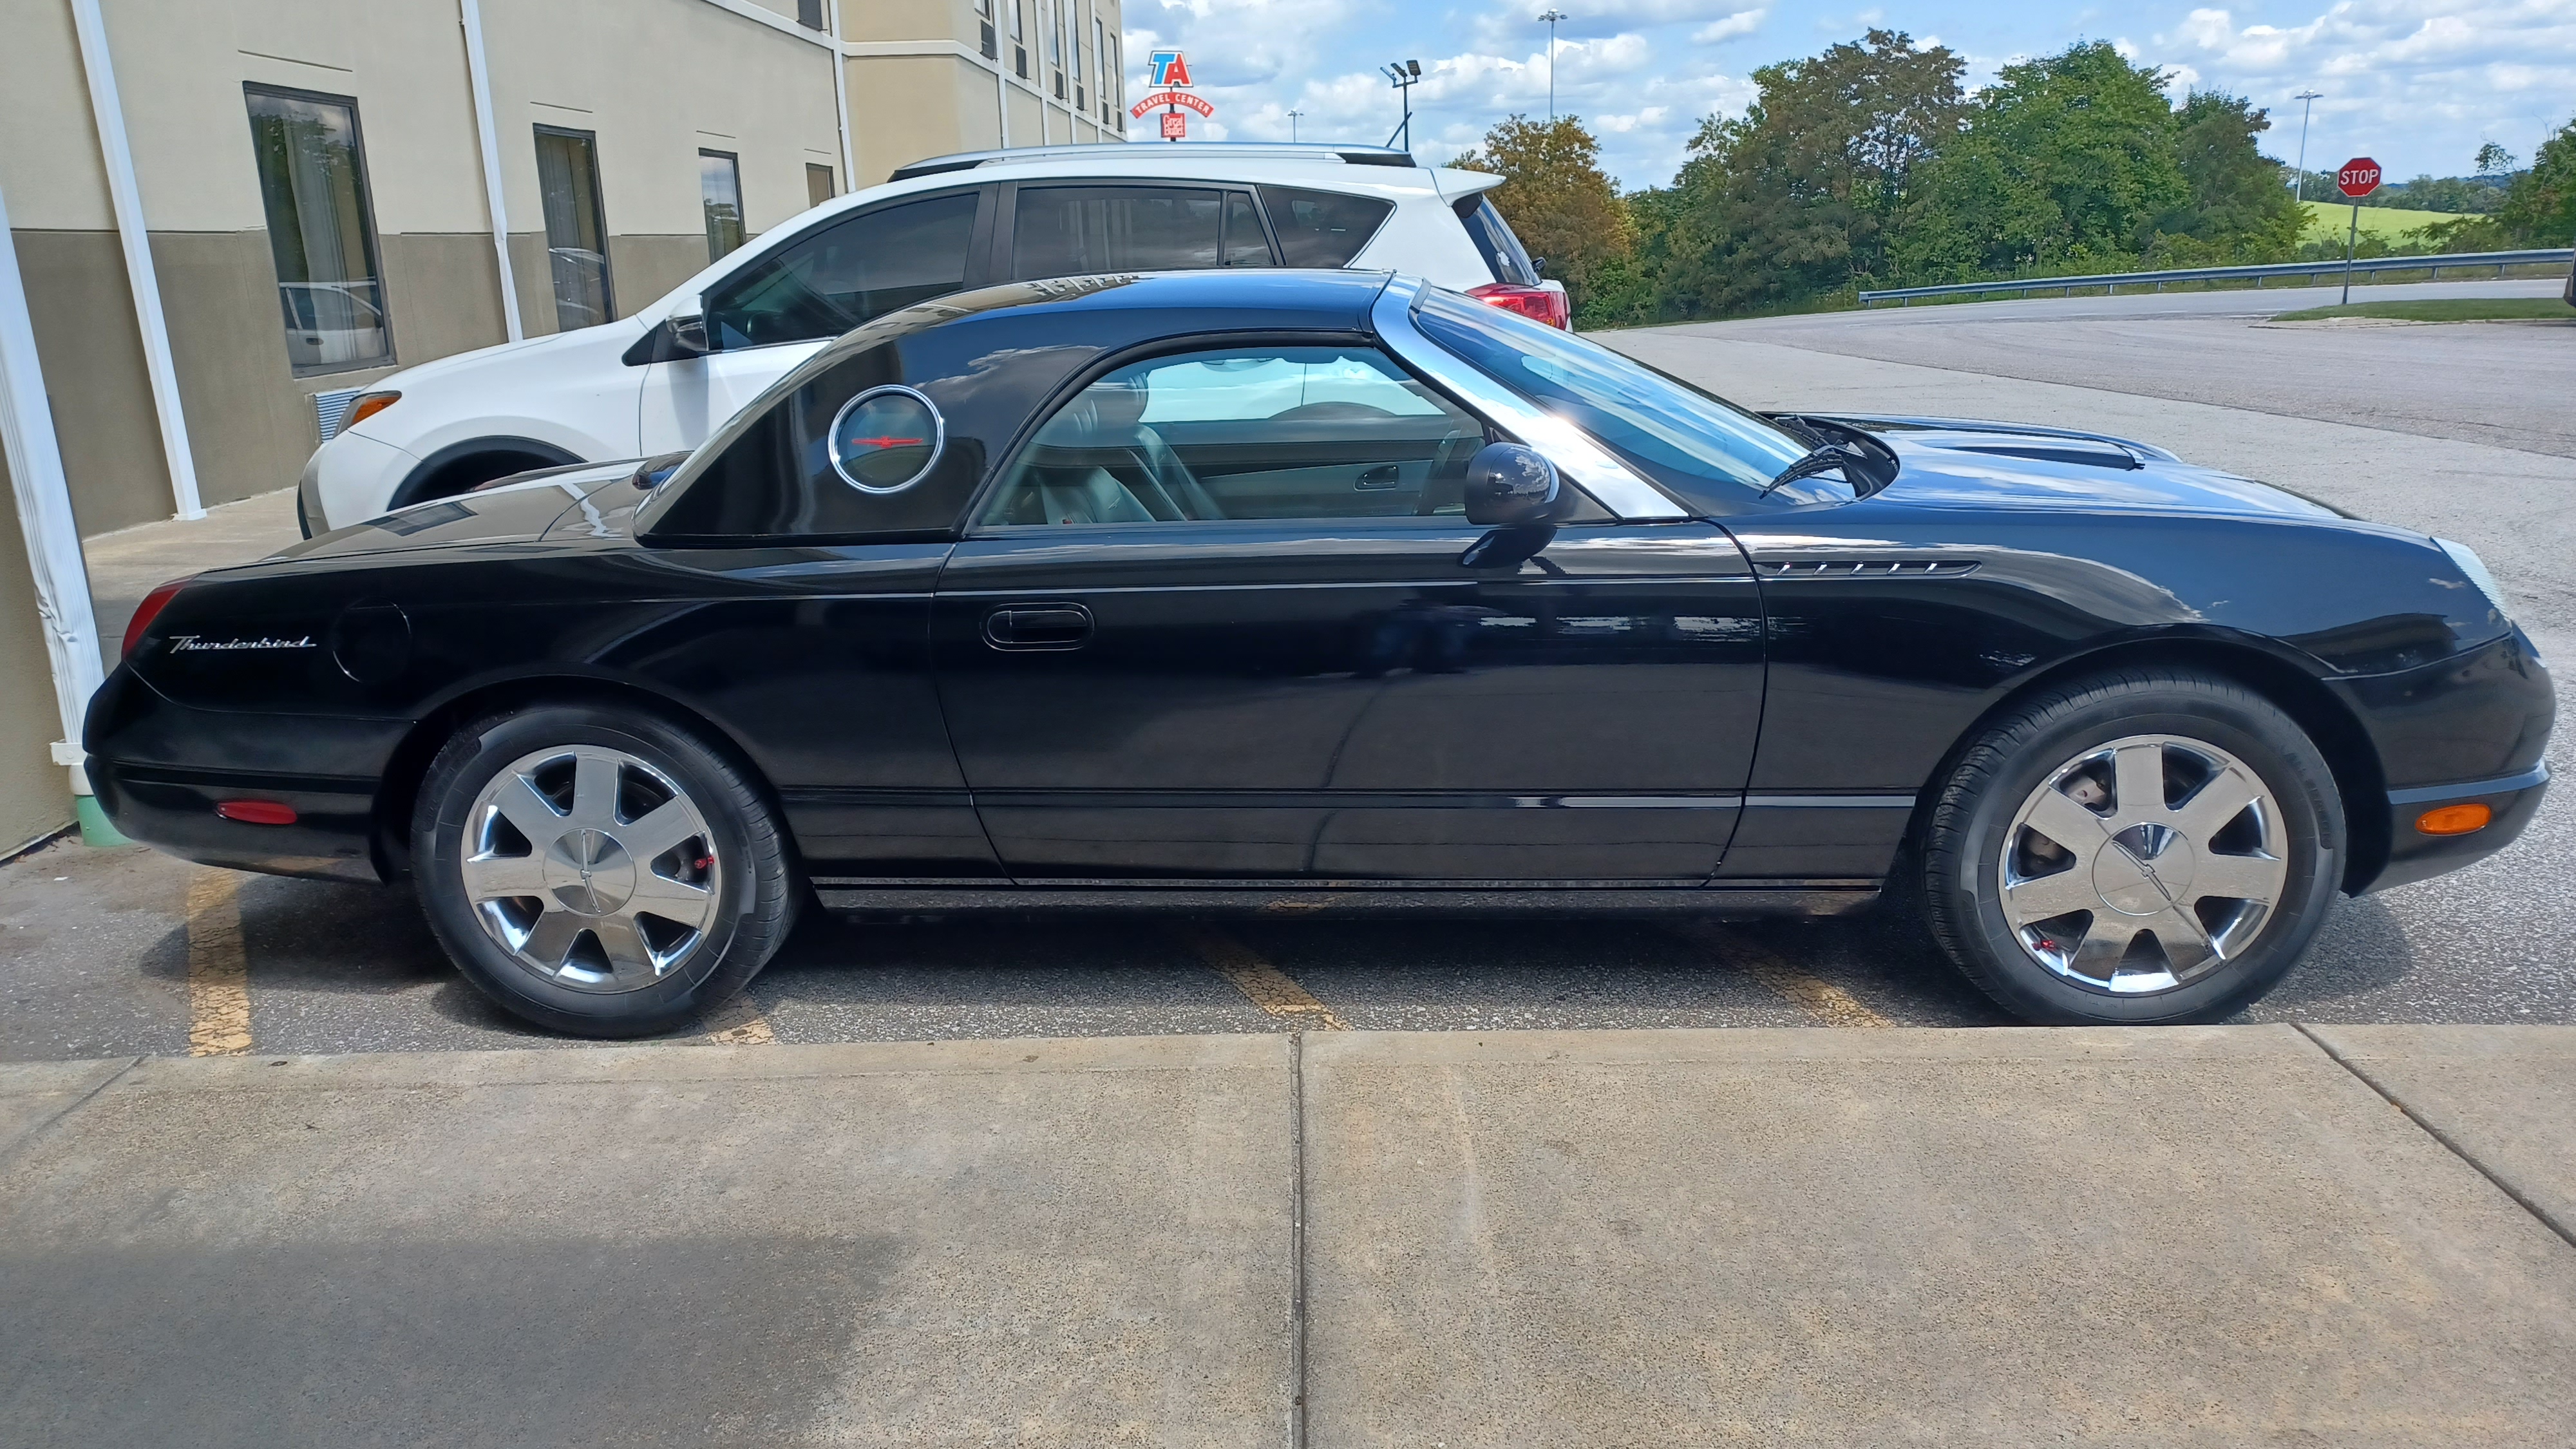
(1296,1240)
(14,1145)
(2547,1219)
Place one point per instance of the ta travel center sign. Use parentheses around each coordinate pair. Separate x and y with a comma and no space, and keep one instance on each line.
(1169,72)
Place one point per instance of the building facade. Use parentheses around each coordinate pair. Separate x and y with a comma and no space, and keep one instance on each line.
(225,216)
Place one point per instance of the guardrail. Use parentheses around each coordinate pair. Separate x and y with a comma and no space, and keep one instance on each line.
(2114,281)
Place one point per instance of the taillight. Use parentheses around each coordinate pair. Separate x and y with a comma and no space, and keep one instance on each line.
(149,610)
(1539,304)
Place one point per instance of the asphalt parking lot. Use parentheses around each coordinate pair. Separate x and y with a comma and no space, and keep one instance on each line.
(2452,428)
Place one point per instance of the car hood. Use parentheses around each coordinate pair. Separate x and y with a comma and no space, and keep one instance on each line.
(591,497)
(1958,463)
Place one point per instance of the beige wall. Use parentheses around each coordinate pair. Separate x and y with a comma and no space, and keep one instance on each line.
(35,794)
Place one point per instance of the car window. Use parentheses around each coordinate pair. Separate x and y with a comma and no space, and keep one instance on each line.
(1244,433)
(1504,255)
(849,273)
(1322,228)
(1074,231)
(1709,450)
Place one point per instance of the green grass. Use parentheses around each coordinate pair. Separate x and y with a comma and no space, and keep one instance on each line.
(2448,309)
(2328,220)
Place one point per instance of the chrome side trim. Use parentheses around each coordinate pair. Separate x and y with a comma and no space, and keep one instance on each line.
(2472,789)
(1611,483)
(1863,568)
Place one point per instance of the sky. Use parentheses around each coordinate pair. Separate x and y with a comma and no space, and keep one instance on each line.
(2416,84)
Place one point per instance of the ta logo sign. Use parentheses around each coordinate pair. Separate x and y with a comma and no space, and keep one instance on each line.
(1167,68)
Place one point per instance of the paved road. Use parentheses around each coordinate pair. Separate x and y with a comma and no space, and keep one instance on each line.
(101,948)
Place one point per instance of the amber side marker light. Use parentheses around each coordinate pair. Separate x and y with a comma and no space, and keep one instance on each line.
(367,405)
(2454,819)
(256,812)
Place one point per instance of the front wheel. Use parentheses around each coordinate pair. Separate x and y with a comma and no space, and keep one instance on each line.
(598,871)
(2147,846)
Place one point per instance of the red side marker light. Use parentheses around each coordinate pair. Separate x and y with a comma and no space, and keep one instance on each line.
(2454,819)
(1539,304)
(149,610)
(256,812)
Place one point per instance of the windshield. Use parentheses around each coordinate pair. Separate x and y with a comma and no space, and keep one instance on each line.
(1714,454)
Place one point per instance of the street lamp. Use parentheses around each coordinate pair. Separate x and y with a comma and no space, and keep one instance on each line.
(2299,178)
(1292,124)
(1551,17)
(1405,73)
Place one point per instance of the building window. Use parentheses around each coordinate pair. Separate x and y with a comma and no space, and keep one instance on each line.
(576,237)
(809,13)
(984,27)
(321,232)
(1019,38)
(720,190)
(818,183)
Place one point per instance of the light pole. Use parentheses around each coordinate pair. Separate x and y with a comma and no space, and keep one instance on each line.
(1551,17)
(1405,73)
(1292,124)
(2299,178)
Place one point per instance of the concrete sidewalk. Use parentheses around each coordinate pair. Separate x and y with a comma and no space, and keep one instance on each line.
(2152,1237)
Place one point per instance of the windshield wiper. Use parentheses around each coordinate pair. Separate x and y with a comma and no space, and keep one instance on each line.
(1828,458)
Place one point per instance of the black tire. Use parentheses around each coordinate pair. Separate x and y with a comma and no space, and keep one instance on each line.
(1966,835)
(757,890)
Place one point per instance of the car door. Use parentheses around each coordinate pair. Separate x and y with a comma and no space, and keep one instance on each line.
(1214,623)
(779,310)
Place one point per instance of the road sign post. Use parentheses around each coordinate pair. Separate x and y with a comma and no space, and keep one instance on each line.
(2358,178)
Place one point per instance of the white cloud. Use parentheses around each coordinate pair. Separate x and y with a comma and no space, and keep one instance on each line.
(1742,22)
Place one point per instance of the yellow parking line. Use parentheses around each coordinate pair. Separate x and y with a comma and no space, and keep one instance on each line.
(218,971)
(1822,999)
(1264,985)
(739,1022)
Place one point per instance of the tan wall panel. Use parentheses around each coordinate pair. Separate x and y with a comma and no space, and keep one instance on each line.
(249,426)
(1026,113)
(93,359)
(533,272)
(35,793)
(903,108)
(647,267)
(919,20)
(637,73)
(444,295)
(50,166)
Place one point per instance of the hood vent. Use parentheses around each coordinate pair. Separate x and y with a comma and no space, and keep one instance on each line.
(1863,568)
(2047,453)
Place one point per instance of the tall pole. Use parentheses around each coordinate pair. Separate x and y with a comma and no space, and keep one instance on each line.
(2299,178)
(1292,124)
(2348,239)
(1551,17)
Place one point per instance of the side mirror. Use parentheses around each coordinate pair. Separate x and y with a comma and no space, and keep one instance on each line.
(672,339)
(1509,485)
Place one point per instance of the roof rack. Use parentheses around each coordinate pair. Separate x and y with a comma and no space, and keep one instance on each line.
(1244,150)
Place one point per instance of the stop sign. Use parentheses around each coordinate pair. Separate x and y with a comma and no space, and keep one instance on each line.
(2358,178)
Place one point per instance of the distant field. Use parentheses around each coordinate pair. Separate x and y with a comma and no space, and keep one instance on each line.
(2329,219)
(2462,309)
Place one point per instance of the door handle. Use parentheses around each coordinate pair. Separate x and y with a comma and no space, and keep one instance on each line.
(1384,475)
(1038,626)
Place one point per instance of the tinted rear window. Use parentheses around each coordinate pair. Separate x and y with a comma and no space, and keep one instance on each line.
(1322,228)
(1073,231)
(1504,256)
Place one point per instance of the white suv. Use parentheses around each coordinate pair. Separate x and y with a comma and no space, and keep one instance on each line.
(661,380)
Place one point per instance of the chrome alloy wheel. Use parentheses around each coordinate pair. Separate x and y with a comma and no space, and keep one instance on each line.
(591,868)
(2143,863)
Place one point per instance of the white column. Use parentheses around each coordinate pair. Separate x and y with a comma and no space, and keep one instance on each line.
(140,278)
(478,76)
(35,459)
(841,100)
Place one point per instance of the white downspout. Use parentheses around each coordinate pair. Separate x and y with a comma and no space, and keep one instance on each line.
(841,100)
(478,75)
(35,459)
(140,278)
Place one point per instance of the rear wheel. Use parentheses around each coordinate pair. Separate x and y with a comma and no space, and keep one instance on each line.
(599,872)
(2149,846)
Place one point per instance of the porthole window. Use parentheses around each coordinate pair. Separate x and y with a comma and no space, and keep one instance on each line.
(886,439)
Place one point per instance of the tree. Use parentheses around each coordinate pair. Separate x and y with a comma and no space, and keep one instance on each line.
(2066,161)
(2540,206)
(1560,203)
(2494,160)
(2237,206)
(1812,187)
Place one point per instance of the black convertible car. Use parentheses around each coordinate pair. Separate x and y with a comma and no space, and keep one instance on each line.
(1218,589)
